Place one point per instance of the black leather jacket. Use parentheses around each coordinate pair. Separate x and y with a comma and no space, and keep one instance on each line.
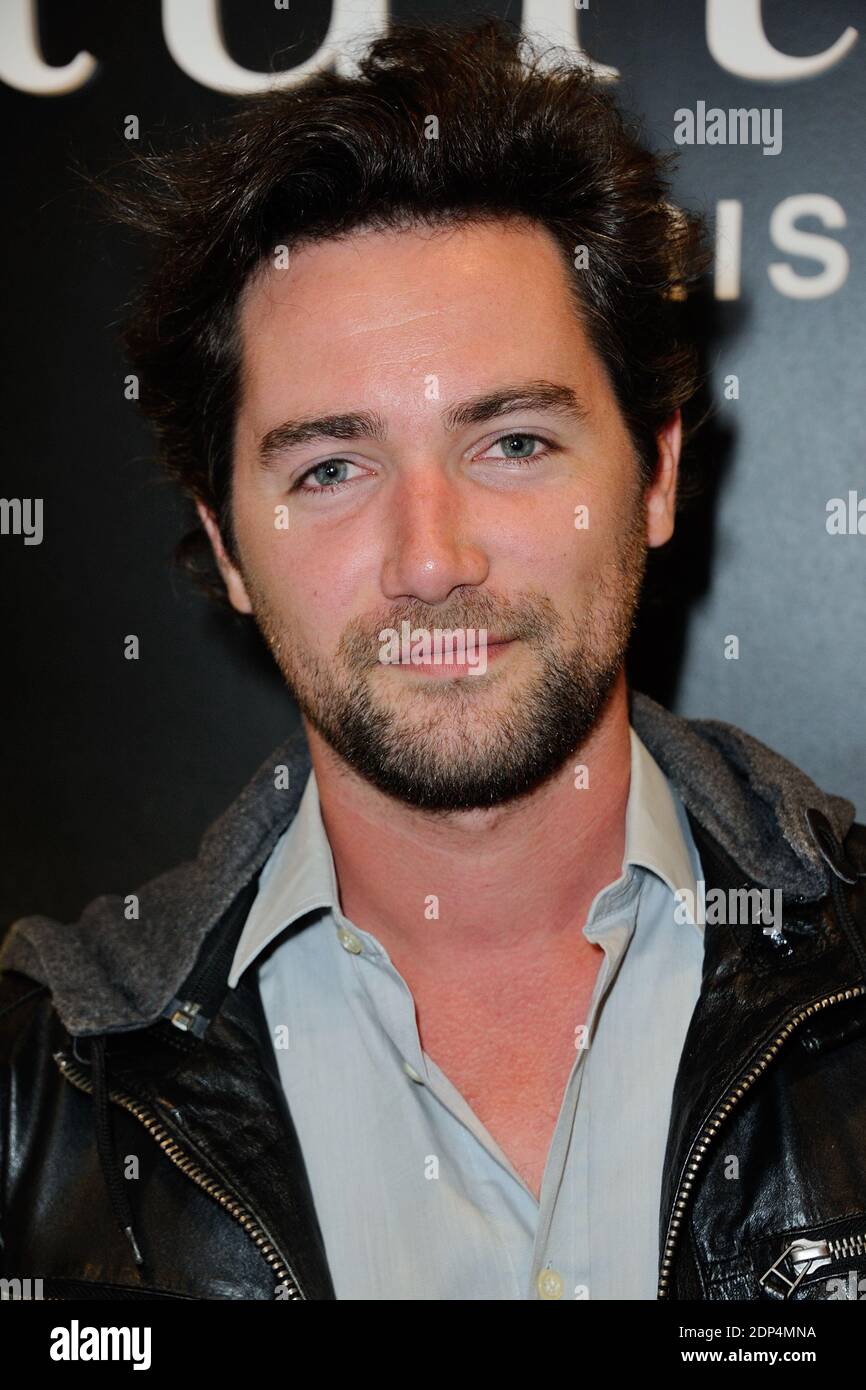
(146,1148)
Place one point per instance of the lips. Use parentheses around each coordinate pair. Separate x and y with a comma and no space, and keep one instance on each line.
(442,668)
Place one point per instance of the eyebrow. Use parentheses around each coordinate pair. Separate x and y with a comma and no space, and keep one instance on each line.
(366,424)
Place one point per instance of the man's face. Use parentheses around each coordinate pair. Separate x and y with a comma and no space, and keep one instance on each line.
(523,522)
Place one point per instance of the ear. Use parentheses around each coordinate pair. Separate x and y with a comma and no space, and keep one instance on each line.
(661,495)
(232,579)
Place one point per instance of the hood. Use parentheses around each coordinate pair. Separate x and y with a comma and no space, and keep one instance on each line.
(110,974)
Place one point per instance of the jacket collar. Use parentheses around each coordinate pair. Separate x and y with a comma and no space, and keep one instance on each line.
(109,974)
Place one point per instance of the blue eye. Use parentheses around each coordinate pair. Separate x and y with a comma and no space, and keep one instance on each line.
(517,440)
(520,440)
(324,476)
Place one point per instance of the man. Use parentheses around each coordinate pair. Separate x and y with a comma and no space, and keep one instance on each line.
(498,980)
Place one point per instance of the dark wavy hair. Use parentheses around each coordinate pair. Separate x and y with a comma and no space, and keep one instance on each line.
(524,132)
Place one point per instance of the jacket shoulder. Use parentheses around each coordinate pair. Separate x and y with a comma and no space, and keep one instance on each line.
(30,1034)
(26,1012)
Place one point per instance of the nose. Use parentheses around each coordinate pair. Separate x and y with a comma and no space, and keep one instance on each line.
(430,548)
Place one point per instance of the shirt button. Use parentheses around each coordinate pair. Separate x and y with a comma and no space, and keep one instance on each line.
(410,1071)
(549,1284)
(349,941)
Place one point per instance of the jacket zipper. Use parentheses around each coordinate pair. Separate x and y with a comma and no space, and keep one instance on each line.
(194,1171)
(807,1253)
(707,1135)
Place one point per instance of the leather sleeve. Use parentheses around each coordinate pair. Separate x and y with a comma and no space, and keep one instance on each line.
(25,1008)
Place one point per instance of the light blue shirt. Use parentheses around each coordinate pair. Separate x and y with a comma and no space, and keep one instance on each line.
(414,1198)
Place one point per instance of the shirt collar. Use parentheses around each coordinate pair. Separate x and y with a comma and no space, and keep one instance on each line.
(299,877)
(657,832)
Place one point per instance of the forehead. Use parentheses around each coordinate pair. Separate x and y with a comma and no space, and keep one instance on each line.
(377,311)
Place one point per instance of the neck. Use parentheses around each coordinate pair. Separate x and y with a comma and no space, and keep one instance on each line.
(502,875)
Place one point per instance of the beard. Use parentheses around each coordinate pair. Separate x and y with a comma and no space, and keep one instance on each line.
(471,742)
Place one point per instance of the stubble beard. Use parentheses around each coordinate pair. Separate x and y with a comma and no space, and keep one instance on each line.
(457,744)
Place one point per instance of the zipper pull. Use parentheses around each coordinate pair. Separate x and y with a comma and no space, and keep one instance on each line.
(186,1015)
(808,1252)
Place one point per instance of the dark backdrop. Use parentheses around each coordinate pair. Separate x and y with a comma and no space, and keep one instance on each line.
(112,768)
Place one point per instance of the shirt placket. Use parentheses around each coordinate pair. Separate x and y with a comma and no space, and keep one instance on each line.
(561,1255)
